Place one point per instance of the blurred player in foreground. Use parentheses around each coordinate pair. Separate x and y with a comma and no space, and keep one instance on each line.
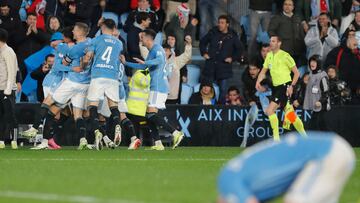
(304,170)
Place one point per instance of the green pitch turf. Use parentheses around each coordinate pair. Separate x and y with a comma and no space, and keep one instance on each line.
(185,175)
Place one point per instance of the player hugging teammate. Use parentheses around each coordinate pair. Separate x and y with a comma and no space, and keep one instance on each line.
(89,80)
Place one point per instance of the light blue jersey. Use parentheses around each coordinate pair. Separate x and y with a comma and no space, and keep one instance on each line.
(76,53)
(57,72)
(267,169)
(156,61)
(106,61)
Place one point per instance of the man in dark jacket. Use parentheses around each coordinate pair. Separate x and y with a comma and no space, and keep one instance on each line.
(288,27)
(30,41)
(220,47)
(10,21)
(40,73)
(142,22)
(347,60)
(157,18)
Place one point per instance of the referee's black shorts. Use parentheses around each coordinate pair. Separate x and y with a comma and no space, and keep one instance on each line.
(279,94)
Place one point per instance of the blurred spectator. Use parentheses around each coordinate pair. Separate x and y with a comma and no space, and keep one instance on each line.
(355,26)
(40,73)
(171,41)
(53,25)
(287,25)
(322,38)
(347,60)
(8,69)
(155,4)
(38,7)
(233,97)
(180,26)
(317,97)
(55,8)
(9,20)
(79,11)
(309,11)
(260,14)
(299,91)
(220,47)
(170,7)
(173,66)
(349,7)
(340,94)
(249,78)
(96,18)
(209,11)
(142,22)
(156,17)
(205,96)
(261,55)
(30,41)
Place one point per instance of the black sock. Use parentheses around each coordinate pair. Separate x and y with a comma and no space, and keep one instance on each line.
(128,127)
(42,113)
(48,132)
(80,128)
(60,124)
(154,131)
(115,114)
(94,118)
(158,121)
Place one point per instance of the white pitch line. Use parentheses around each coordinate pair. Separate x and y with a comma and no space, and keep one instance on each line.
(115,159)
(59,197)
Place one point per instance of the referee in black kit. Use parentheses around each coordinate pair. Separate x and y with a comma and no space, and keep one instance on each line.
(8,70)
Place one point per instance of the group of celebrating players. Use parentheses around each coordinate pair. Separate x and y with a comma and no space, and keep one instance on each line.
(86,80)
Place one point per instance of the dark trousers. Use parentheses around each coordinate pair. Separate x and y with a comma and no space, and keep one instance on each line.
(7,114)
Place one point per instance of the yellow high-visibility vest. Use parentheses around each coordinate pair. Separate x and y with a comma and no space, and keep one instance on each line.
(139,91)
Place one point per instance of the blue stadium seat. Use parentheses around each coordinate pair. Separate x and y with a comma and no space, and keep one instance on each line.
(193,74)
(216,88)
(186,92)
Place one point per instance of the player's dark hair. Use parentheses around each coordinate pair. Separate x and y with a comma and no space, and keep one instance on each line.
(49,55)
(325,14)
(166,46)
(67,32)
(331,67)
(109,23)
(150,32)
(224,17)
(3,35)
(142,16)
(31,14)
(83,26)
(233,88)
(277,36)
(4,3)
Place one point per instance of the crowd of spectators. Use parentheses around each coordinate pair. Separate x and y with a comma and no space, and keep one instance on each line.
(226,32)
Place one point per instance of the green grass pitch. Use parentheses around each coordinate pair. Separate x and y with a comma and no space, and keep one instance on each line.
(184,175)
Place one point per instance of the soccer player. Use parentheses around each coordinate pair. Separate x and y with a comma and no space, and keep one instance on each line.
(105,51)
(73,87)
(304,170)
(159,89)
(280,64)
(50,83)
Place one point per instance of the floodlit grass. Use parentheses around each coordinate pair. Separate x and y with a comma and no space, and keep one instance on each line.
(184,175)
